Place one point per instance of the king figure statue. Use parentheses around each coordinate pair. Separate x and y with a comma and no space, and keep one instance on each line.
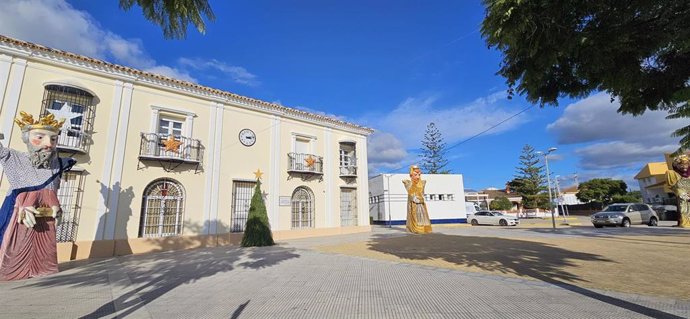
(29,212)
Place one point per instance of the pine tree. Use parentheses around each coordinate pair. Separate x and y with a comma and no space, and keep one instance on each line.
(433,161)
(257,231)
(530,178)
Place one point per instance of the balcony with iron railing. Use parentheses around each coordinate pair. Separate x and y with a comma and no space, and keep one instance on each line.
(73,140)
(348,170)
(160,147)
(305,163)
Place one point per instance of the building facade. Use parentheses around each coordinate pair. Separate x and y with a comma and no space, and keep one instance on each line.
(444,196)
(167,164)
(652,181)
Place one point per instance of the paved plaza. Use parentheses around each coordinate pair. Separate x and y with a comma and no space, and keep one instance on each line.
(307,278)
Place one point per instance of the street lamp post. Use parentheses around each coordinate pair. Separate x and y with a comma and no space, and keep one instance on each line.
(548,181)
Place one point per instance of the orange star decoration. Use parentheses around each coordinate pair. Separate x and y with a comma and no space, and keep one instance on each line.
(310,161)
(258,174)
(172,145)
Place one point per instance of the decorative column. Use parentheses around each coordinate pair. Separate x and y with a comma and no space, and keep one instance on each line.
(119,162)
(105,186)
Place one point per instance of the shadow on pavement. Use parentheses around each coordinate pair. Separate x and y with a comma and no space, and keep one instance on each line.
(539,261)
(144,278)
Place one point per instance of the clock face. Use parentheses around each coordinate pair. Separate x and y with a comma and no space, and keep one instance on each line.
(247,137)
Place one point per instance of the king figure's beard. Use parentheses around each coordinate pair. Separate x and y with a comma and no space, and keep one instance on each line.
(41,158)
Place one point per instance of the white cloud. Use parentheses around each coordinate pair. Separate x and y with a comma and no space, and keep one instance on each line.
(384,151)
(613,141)
(620,154)
(56,24)
(403,128)
(596,119)
(455,122)
(238,74)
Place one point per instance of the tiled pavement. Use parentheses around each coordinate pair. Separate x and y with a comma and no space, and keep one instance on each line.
(292,280)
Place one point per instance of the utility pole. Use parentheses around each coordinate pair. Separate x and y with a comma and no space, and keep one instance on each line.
(548,181)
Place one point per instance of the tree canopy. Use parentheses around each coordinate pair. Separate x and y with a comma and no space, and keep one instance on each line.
(173,16)
(501,203)
(637,51)
(433,160)
(529,180)
(602,190)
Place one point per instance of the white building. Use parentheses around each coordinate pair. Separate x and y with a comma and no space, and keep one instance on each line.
(444,194)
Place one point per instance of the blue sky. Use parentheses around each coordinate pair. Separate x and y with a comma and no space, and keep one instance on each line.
(394,66)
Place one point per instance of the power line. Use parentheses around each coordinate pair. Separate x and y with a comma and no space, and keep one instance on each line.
(476,135)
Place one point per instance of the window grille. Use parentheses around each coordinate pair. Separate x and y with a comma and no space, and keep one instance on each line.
(76,131)
(348,207)
(70,197)
(302,208)
(242,193)
(162,209)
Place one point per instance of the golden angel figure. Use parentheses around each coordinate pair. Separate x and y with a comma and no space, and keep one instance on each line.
(417,214)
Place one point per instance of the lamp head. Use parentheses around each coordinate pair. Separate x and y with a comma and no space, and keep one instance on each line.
(551,149)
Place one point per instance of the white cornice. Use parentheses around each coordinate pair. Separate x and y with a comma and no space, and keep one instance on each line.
(81,63)
(173,110)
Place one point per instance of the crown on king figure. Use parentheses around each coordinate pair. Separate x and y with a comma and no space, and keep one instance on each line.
(48,122)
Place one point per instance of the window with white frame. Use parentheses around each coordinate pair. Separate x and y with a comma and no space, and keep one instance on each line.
(171,121)
(162,209)
(170,126)
(302,208)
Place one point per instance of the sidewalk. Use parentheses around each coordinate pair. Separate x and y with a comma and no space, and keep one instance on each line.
(293,280)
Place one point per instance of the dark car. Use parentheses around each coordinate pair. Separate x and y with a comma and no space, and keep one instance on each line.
(625,214)
(666,212)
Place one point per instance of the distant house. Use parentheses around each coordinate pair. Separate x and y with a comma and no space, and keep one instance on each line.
(652,181)
(568,196)
(513,197)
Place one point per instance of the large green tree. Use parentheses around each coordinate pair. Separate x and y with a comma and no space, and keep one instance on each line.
(530,179)
(433,160)
(601,190)
(630,197)
(637,51)
(174,16)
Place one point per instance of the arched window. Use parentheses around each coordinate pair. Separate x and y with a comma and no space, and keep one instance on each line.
(302,208)
(162,209)
(75,105)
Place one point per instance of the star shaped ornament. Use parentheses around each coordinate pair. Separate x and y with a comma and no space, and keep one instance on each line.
(65,112)
(310,161)
(258,174)
(172,145)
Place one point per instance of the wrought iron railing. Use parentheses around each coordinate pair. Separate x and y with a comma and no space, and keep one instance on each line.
(73,140)
(153,147)
(305,163)
(348,170)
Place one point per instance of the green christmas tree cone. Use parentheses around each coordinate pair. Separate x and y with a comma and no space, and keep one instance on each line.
(257,232)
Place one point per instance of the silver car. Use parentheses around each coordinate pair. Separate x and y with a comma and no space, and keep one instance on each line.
(625,214)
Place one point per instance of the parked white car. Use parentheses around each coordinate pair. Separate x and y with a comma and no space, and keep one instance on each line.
(492,218)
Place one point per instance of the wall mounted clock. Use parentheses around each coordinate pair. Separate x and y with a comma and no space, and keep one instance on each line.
(247,137)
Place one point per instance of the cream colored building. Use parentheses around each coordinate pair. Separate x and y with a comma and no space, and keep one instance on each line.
(652,181)
(131,194)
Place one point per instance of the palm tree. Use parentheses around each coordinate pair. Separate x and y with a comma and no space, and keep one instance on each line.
(682,111)
(173,16)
